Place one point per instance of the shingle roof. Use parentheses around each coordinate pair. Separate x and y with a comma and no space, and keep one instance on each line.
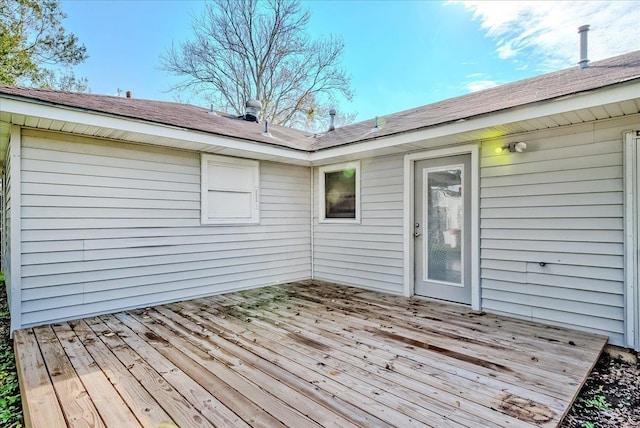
(541,88)
(168,113)
(599,74)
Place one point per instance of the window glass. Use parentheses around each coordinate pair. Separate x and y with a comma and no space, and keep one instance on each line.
(340,194)
(444,221)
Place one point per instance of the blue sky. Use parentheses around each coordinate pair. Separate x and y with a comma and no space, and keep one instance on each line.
(400,54)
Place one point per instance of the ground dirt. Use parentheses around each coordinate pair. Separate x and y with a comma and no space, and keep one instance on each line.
(609,398)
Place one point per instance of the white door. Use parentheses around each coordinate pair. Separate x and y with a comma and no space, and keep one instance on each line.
(442,229)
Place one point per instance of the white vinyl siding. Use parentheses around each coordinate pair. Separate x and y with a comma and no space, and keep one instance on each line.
(108,226)
(229,192)
(552,228)
(368,254)
(559,203)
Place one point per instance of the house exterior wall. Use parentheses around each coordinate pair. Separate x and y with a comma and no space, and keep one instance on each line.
(369,254)
(108,226)
(559,203)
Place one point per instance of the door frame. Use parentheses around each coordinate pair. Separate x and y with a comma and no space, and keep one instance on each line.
(408,215)
(632,238)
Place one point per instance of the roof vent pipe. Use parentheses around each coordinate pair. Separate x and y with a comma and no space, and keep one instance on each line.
(584,61)
(266,132)
(332,119)
(128,94)
(252,111)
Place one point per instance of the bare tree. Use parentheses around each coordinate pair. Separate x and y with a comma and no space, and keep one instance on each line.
(246,49)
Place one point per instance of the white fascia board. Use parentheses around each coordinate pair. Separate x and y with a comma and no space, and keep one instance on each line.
(565,104)
(74,115)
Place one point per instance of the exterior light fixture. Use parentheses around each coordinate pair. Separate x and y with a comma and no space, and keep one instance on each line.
(518,147)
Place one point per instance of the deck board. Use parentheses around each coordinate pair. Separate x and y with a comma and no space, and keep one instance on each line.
(307,354)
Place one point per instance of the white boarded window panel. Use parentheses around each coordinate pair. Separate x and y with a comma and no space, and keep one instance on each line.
(229,205)
(227,177)
(229,190)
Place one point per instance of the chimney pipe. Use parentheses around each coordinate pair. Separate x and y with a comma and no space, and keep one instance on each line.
(128,94)
(584,61)
(252,112)
(332,119)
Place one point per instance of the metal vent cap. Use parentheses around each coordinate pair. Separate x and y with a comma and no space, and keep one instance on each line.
(252,111)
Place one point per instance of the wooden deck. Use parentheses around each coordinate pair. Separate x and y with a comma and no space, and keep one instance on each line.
(301,355)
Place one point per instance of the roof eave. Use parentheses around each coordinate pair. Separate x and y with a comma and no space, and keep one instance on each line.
(624,91)
(170,135)
(173,136)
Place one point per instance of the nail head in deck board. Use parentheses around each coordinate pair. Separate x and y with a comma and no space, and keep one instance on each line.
(355,363)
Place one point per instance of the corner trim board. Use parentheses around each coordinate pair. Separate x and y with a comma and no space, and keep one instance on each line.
(631,244)
(15,304)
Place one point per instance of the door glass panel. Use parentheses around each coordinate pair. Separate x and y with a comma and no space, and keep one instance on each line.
(444,225)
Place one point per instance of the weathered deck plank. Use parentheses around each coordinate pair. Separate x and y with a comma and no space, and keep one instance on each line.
(75,401)
(108,402)
(294,344)
(295,375)
(439,398)
(39,402)
(477,357)
(302,355)
(147,373)
(347,393)
(136,397)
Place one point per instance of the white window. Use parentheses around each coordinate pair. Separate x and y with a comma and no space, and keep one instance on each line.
(339,195)
(229,190)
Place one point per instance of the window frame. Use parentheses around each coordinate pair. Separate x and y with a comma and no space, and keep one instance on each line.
(253,165)
(322,196)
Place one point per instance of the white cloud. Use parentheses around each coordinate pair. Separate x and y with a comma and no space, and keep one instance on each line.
(479,85)
(544,34)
